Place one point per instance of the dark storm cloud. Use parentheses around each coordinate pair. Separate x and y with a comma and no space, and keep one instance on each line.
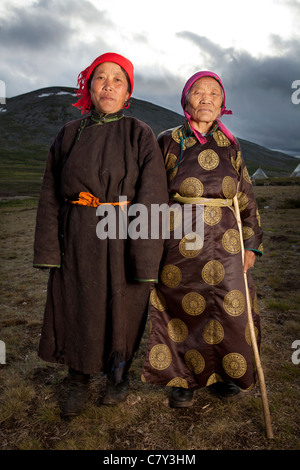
(34,28)
(47,23)
(40,45)
(258,89)
(163,89)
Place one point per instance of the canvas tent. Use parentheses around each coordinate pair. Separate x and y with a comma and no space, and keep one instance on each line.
(296,171)
(259,174)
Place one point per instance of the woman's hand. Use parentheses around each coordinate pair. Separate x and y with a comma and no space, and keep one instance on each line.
(249,260)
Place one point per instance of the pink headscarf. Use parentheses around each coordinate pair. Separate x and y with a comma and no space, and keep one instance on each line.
(85,103)
(185,91)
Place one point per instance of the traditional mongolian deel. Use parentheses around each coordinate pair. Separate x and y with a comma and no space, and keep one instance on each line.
(95,310)
(199,327)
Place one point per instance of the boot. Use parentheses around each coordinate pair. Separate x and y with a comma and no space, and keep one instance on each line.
(78,390)
(225,390)
(115,392)
(181,397)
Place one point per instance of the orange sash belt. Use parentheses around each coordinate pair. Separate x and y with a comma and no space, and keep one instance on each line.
(87,199)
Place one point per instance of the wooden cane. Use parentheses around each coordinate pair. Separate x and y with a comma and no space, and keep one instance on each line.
(260,372)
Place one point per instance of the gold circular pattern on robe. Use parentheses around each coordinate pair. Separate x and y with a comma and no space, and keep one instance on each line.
(191,187)
(258,218)
(175,218)
(195,361)
(187,141)
(160,357)
(193,303)
(191,245)
(157,300)
(213,272)
(171,275)
(249,388)
(236,162)
(246,175)
(178,382)
(213,332)
(208,159)
(235,365)
(248,336)
(228,187)
(170,163)
(177,330)
(242,200)
(231,241)
(248,232)
(213,378)
(221,139)
(212,215)
(234,303)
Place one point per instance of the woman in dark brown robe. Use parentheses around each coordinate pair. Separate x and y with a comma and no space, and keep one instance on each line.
(99,282)
(199,326)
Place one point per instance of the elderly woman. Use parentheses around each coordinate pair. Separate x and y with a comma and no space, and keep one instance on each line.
(199,328)
(98,286)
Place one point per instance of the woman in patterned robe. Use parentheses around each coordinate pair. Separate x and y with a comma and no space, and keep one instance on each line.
(199,333)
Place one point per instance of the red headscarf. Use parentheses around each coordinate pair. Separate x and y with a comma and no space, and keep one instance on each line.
(85,103)
(185,91)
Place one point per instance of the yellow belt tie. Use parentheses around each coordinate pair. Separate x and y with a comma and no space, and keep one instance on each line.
(213,202)
(87,199)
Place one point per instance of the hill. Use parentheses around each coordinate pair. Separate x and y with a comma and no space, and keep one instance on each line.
(29,123)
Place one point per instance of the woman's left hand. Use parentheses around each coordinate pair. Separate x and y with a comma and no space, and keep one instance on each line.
(249,260)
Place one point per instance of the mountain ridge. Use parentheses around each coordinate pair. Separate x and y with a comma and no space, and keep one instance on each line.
(30,121)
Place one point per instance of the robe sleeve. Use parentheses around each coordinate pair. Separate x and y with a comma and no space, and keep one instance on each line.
(47,251)
(152,194)
(252,230)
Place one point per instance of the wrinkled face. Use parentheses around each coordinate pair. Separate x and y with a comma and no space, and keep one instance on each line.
(204,100)
(109,88)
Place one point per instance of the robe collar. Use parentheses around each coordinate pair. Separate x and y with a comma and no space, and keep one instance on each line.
(102,118)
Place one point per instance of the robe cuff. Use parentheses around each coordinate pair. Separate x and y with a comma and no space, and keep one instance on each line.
(257,252)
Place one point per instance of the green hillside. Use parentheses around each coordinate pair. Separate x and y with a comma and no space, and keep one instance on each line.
(29,123)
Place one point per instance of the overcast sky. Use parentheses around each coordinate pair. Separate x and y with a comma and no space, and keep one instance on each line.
(254,47)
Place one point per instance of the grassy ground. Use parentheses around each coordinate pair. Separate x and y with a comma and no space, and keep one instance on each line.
(31,391)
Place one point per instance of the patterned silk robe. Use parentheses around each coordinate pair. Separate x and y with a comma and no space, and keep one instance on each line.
(199,332)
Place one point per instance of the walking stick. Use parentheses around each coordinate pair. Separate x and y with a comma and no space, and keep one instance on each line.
(260,372)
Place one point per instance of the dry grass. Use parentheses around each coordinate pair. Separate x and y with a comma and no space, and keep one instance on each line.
(32,390)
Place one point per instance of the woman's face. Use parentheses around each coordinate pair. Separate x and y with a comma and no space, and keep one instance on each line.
(204,102)
(109,88)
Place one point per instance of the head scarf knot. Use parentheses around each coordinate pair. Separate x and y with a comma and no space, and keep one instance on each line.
(185,91)
(85,103)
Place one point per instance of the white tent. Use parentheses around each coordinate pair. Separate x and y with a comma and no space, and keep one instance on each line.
(259,174)
(296,171)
